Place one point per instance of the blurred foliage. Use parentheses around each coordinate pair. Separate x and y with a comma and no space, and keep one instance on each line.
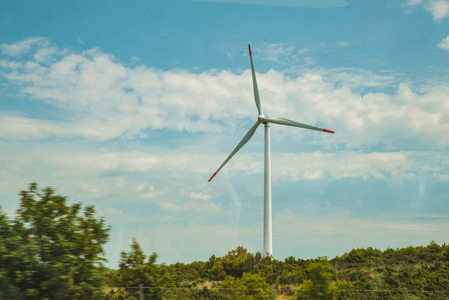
(320,285)
(135,270)
(53,250)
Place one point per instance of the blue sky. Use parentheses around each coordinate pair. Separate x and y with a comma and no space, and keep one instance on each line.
(132,106)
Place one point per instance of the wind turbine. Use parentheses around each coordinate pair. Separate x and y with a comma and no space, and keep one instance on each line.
(265,120)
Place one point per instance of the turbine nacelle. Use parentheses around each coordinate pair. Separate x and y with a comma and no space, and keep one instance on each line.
(262,119)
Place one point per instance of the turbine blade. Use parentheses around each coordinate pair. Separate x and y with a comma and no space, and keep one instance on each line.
(245,139)
(256,90)
(283,121)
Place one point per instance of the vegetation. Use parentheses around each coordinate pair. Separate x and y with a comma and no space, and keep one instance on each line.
(52,250)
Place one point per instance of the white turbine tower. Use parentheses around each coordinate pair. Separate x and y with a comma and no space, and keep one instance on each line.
(261,119)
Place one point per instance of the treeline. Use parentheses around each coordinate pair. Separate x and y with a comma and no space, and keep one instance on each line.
(52,250)
(243,275)
(416,269)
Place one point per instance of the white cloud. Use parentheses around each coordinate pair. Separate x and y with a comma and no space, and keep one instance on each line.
(199,196)
(444,44)
(138,176)
(192,206)
(341,43)
(278,53)
(283,54)
(335,44)
(105,99)
(392,167)
(24,46)
(317,166)
(438,8)
(414,2)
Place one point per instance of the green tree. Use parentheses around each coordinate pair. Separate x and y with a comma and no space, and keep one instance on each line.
(319,286)
(239,261)
(249,287)
(55,249)
(8,253)
(133,271)
(217,273)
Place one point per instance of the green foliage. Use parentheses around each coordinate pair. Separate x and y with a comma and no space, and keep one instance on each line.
(217,272)
(249,287)
(188,272)
(238,261)
(134,271)
(8,253)
(293,272)
(422,268)
(319,285)
(54,250)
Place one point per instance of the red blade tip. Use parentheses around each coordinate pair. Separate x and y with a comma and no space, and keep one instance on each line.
(249,48)
(329,131)
(212,176)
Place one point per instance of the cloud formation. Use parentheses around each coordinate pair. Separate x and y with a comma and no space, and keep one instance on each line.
(438,8)
(24,46)
(104,99)
(444,44)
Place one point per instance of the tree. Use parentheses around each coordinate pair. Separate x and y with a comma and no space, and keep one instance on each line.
(133,271)
(7,256)
(239,261)
(319,286)
(217,272)
(249,287)
(55,249)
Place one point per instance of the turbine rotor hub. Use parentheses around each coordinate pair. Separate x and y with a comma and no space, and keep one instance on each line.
(262,119)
